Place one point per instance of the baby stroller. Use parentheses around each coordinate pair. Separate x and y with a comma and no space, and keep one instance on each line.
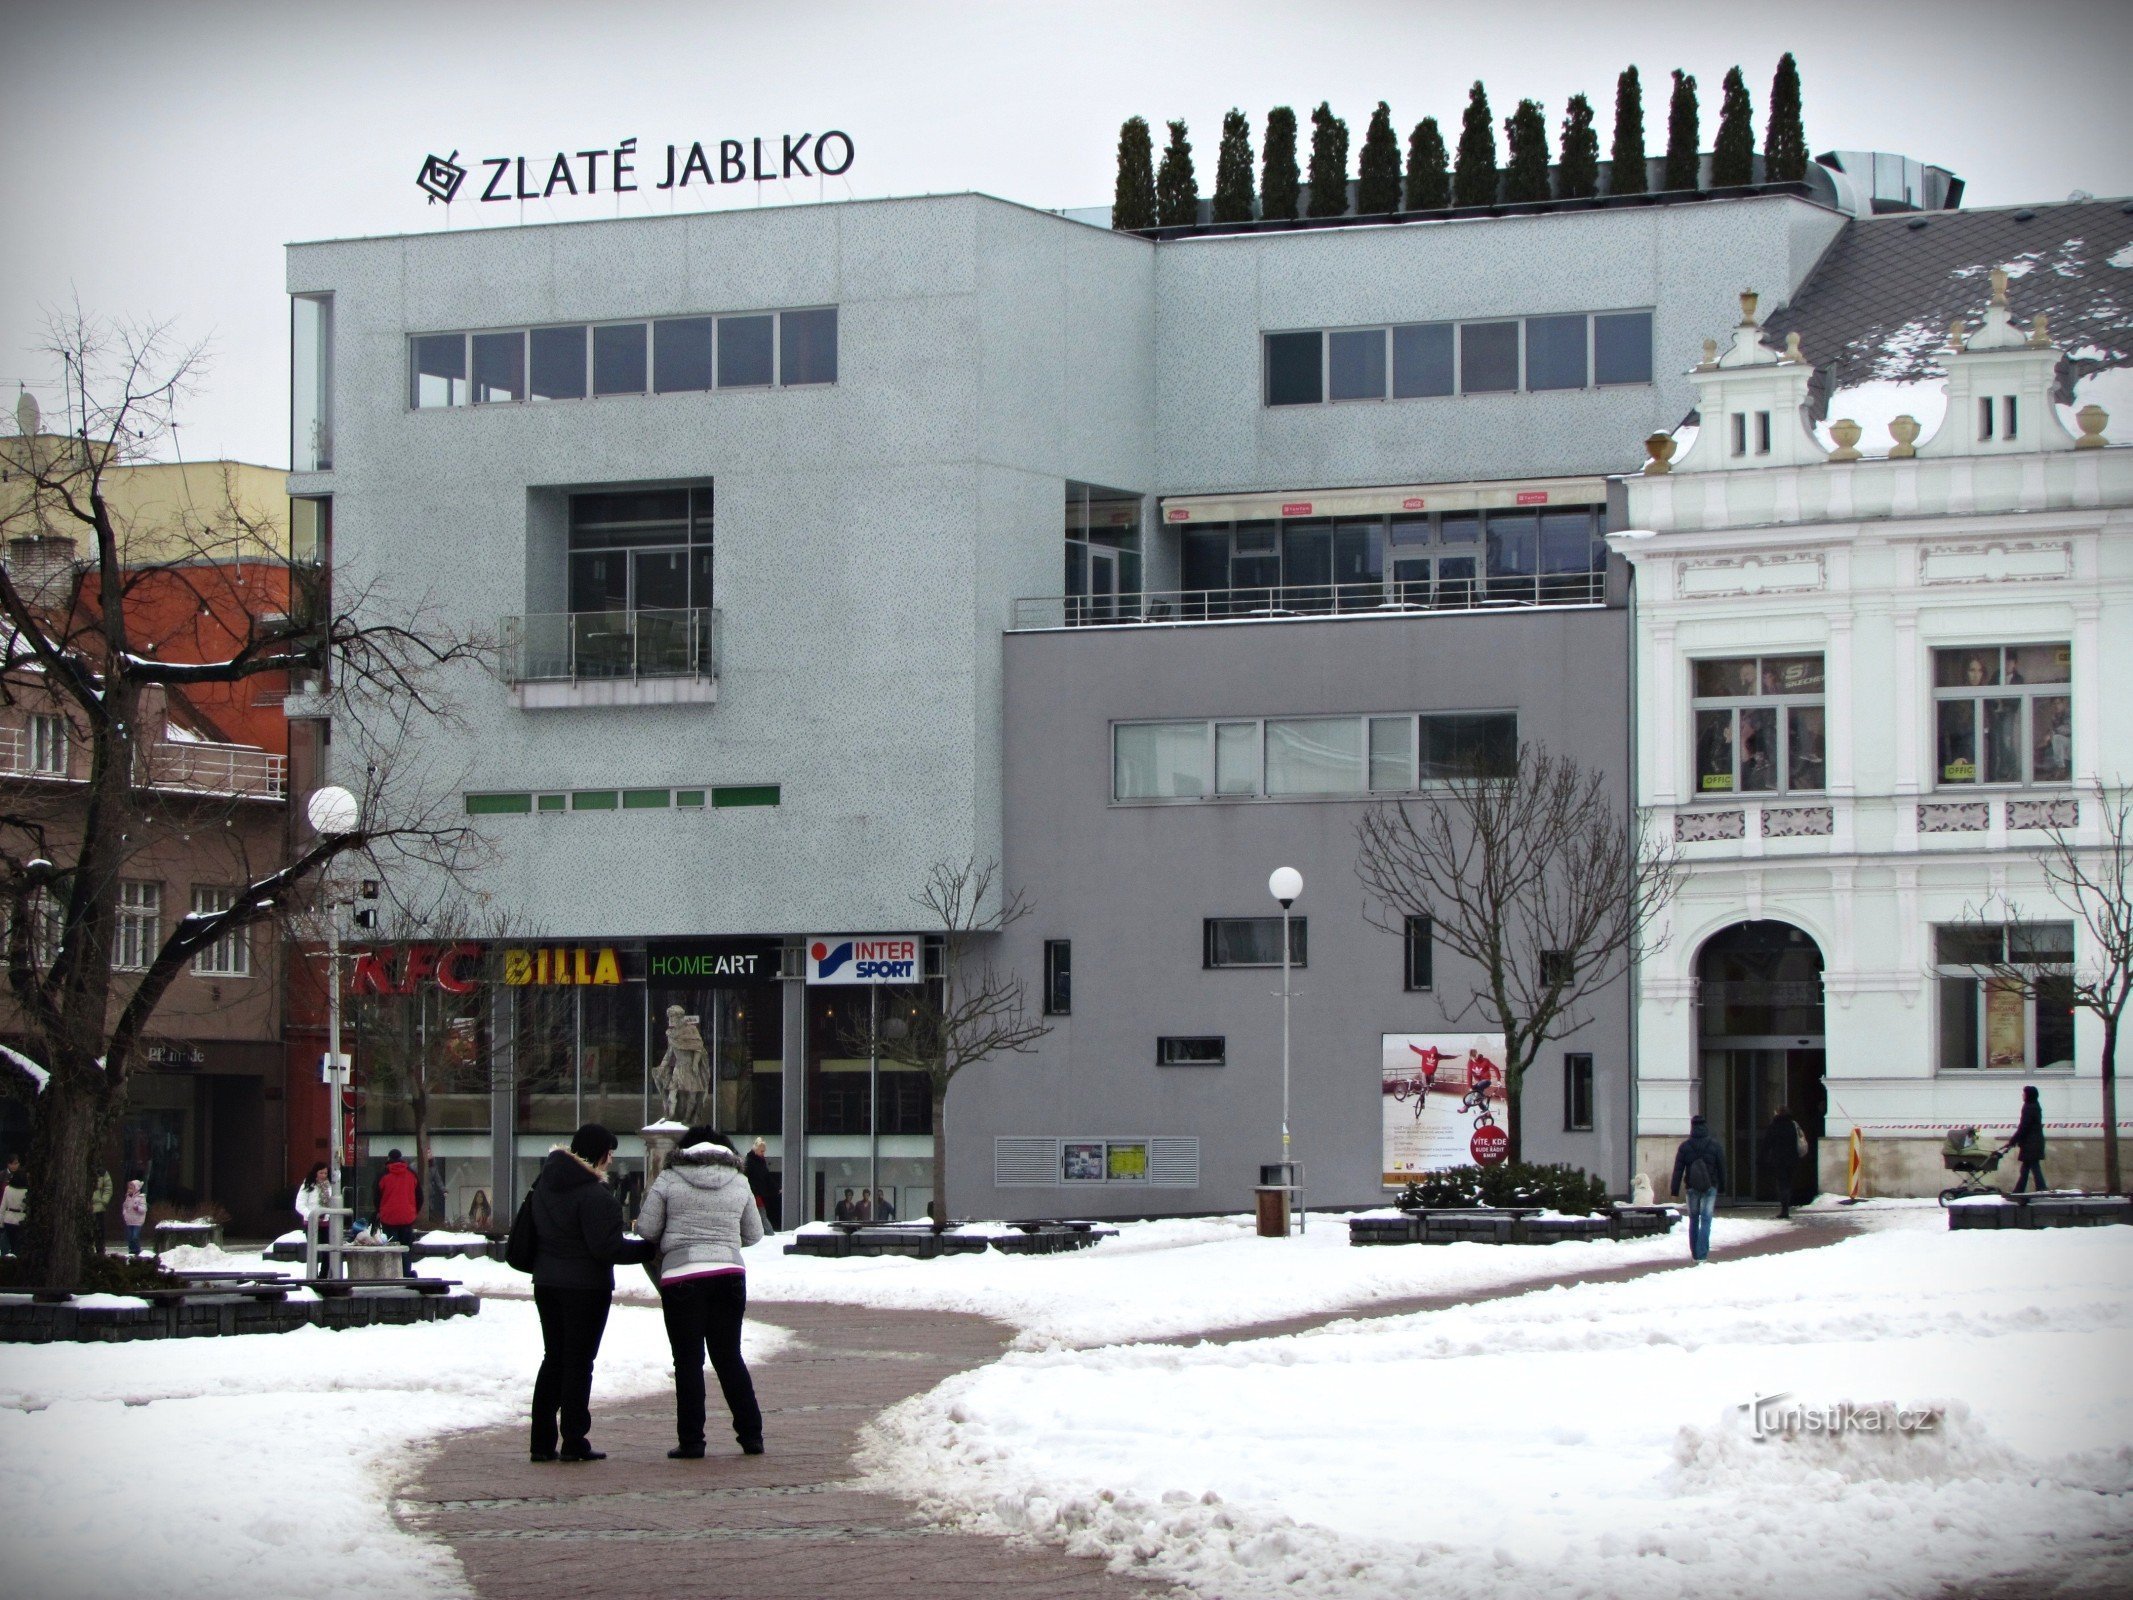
(1963,1154)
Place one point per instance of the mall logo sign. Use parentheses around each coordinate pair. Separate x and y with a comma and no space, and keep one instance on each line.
(1779,1416)
(574,172)
(881,958)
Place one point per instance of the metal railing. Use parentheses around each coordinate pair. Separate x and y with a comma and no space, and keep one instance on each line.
(571,646)
(203,767)
(1378,599)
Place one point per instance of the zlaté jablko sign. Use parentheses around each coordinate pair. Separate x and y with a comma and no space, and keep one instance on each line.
(575,172)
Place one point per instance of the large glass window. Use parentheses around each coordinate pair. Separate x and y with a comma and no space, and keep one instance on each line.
(1103,553)
(1420,360)
(807,346)
(1318,757)
(681,355)
(139,932)
(1759,725)
(1488,357)
(311,383)
(499,368)
(2004,714)
(640,580)
(440,370)
(1555,352)
(2001,1005)
(744,352)
(1252,941)
(1456,745)
(556,364)
(1294,363)
(619,358)
(1160,760)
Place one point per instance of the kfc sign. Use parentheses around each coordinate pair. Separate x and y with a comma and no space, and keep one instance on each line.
(454,967)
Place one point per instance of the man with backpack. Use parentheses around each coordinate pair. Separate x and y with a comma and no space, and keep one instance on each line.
(395,1200)
(1701,1160)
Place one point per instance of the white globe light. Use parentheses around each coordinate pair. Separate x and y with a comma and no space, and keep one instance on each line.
(333,811)
(1285,884)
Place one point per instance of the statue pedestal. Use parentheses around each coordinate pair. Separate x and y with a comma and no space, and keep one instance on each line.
(660,1138)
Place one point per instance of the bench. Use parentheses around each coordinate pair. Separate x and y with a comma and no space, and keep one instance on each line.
(345,1288)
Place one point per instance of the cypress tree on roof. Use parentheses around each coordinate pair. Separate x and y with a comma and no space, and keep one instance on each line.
(1429,179)
(1625,163)
(1785,141)
(1233,171)
(1278,186)
(1474,175)
(1329,163)
(1733,155)
(1377,174)
(1578,178)
(1681,137)
(1177,190)
(1526,176)
(1133,200)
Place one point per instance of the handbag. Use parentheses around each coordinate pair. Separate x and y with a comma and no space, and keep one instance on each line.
(1799,1136)
(523,1248)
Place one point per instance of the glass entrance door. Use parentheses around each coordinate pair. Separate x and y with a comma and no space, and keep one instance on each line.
(1743,1087)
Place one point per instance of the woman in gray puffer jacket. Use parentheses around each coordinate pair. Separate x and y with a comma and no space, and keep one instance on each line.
(699,1215)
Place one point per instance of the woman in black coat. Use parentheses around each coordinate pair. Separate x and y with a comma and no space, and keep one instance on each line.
(2028,1141)
(1780,1151)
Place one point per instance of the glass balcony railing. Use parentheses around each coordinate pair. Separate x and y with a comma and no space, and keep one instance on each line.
(574,646)
(1376,598)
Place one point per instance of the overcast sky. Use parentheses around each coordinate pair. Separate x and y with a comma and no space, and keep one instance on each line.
(158,155)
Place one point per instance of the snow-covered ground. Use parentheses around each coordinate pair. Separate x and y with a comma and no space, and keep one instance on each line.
(265,1464)
(1589,1441)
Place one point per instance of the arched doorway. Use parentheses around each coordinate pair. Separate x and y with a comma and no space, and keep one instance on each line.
(1759,1047)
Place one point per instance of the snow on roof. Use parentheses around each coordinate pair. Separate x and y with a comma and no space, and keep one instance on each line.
(1875,310)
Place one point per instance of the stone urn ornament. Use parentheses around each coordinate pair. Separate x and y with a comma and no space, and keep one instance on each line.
(1846,433)
(2093,420)
(1904,430)
(1660,447)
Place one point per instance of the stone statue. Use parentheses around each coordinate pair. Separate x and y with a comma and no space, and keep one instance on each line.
(684,1072)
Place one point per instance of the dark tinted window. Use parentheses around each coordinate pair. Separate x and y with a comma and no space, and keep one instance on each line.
(681,354)
(1469,745)
(1206,560)
(1421,360)
(499,368)
(441,370)
(618,359)
(558,364)
(1488,357)
(1421,942)
(1252,941)
(1292,369)
(1058,977)
(743,352)
(1206,1050)
(1356,364)
(1555,352)
(807,346)
(1622,347)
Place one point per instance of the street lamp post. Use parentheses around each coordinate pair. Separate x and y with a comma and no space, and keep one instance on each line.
(1285,884)
(334,813)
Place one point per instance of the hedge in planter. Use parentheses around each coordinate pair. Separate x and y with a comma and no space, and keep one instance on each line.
(1570,1190)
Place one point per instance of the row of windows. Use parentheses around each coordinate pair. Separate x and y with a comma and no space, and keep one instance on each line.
(1309,757)
(1245,942)
(138,934)
(2003,714)
(718,796)
(675,355)
(1420,360)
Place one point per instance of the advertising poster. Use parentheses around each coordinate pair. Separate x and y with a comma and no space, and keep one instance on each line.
(1438,1088)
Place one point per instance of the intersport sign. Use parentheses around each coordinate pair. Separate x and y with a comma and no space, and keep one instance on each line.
(836,958)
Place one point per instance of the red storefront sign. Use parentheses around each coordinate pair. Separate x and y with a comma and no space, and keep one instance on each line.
(454,966)
(1178,514)
(1296,508)
(1490,1144)
(1413,502)
(1533,497)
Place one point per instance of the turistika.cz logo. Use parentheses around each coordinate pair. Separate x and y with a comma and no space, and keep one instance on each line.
(1779,1416)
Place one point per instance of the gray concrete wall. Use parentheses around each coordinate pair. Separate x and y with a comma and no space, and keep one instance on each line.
(1130,883)
(1216,295)
(869,534)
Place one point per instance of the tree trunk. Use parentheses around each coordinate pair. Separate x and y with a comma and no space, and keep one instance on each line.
(1514,1089)
(940,1153)
(66,1144)
(2111,1178)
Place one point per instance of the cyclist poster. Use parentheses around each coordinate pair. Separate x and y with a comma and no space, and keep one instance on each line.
(1438,1088)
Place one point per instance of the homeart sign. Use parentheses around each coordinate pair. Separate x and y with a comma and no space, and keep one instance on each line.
(615,169)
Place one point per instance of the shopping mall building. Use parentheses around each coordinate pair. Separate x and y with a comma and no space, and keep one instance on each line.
(827,544)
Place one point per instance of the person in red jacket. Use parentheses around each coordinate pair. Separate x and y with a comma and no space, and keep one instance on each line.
(397,1200)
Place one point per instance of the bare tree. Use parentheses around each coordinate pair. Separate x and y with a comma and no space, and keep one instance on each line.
(2093,884)
(72,646)
(975,1010)
(1537,878)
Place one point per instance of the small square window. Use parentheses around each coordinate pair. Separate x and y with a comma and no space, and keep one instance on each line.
(1555,352)
(440,377)
(1622,347)
(499,368)
(1355,362)
(1488,357)
(618,358)
(1421,360)
(807,346)
(681,355)
(744,352)
(556,364)
(1294,369)
(1559,968)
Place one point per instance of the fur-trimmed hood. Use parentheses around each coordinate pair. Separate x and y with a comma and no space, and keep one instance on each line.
(704,1166)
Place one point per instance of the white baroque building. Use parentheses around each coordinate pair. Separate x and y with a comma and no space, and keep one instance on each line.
(1868,690)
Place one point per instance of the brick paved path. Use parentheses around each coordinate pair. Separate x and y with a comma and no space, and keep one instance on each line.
(790,1524)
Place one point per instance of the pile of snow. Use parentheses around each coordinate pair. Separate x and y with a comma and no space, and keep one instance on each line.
(1587,1439)
(170,1468)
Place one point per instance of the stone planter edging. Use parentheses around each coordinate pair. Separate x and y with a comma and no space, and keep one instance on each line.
(1485,1225)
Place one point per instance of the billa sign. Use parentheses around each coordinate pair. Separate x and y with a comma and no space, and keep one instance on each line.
(576,172)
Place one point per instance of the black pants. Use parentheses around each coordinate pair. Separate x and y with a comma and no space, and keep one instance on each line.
(705,1314)
(572,1321)
(2030,1169)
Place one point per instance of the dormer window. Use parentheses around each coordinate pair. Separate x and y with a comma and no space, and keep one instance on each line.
(1984,419)
(1762,433)
(1740,433)
(2007,416)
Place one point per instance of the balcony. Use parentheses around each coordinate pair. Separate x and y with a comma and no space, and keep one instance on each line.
(1294,601)
(584,658)
(195,766)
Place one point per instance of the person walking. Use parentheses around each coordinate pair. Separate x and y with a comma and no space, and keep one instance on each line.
(579,1240)
(133,1211)
(14,1204)
(396,1200)
(2028,1141)
(1701,1160)
(1783,1143)
(757,1166)
(699,1215)
(313,1195)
